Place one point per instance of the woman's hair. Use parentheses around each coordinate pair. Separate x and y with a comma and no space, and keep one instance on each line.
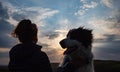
(26,31)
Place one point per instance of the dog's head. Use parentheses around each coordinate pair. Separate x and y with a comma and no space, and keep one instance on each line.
(77,36)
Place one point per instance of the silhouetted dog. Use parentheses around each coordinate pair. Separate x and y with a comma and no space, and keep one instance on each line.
(78,50)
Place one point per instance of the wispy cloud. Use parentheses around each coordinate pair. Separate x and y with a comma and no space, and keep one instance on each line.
(55,55)
(89,5)
(107,51)
(84,1)
(3,50)
(5,28)
(80,12)
(4,56)
(65,24)
(37,14)
(86,6)
(108,3)
(106,29)
(113,4)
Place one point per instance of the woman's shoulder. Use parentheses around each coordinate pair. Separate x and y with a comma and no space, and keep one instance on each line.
(15,49)
(27,45)
(17,45)
(38,46)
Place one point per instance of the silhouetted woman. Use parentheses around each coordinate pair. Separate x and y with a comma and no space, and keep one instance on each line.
(27,56)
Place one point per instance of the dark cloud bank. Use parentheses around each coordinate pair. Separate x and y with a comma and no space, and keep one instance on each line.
(5,28)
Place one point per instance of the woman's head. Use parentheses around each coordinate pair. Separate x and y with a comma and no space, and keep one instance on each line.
(26,31)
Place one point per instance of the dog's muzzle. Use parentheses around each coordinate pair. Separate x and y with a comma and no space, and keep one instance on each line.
(63,43)
(67,43)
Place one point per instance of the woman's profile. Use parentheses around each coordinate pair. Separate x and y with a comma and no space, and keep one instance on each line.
(27,55)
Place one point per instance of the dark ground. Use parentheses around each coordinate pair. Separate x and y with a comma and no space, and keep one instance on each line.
(100,66)
(107,66)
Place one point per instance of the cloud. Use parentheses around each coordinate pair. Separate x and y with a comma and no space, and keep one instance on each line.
(5,28)
(52,47)
(80,12)
(65,24)
(108,26)
(113,4)
(51,39)
(4,56)
(3,12)
(114,21)
(89,5)
(15,14)
(111,37)
(52,35)
(84,1)
(85,7)
(106,29)
(115,14)
(36,14)
(55,55)
(107,51)
(4,50)
(108,3)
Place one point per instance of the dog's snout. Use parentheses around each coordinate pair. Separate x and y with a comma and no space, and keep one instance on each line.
(62,43)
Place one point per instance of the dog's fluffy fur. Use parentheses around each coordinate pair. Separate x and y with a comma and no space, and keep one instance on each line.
(78,46)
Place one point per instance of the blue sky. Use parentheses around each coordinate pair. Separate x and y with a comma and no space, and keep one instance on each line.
(54,18)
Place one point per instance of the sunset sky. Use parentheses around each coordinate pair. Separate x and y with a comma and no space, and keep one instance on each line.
(55,18)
